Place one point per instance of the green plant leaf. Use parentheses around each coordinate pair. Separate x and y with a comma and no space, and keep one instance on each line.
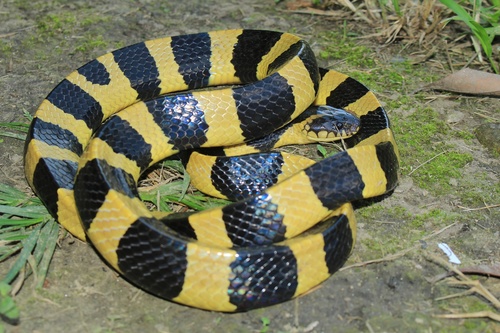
(8,308)
(29,244)
(483,37)
(321,150)
(457,9)
(397,8)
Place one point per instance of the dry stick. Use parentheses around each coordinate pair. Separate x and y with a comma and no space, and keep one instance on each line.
(296,312)
(369,327)
(467,209)
(38,296)
(477,288)
(476,285)
(399,254)
(486,116)
(158,200)
(10,34)
(430,159)
(479,314)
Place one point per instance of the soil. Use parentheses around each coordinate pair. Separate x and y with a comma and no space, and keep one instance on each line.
(40,43)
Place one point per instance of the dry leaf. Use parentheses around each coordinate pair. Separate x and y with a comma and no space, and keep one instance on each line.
(470,81)
(492,270)
(488,270)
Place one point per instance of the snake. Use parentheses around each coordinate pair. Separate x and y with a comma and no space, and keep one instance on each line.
(111,119)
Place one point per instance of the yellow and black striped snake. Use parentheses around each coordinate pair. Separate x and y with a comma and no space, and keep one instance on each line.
(263,249)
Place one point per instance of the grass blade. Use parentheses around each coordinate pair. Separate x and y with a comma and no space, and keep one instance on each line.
(48,253)
(28,245)
(26,211)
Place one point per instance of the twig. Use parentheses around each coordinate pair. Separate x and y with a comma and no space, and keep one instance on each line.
(479,208)
(8,34)
(486,116)
(430,159)
(369,327)
(389,257)
(475,285)
(480,314)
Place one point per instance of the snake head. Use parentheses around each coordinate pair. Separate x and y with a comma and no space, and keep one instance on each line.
(331,124)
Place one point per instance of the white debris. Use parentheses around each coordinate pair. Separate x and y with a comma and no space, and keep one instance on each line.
(451,256)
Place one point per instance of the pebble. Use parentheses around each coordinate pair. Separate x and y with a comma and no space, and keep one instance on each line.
(454,117)
(489,136)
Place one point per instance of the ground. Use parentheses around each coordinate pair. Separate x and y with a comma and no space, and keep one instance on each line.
(448,179)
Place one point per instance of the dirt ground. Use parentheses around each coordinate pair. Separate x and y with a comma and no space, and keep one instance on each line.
(40,43)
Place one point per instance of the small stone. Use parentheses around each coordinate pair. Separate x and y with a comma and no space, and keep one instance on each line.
(454,117)
(489,136)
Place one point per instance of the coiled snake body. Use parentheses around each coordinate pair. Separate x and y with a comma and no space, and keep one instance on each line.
(264,249)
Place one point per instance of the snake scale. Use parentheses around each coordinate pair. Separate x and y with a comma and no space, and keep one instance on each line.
(263,249)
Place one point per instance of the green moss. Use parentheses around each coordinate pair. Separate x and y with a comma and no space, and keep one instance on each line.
(475,325)
(392,241)
(422,126)
(53,24)
(425,152)
(91,43)
(468,136)
(435,216)
(29,5)
(436,175)
(400,214)
(396,228)
(370,211)
(434,163)
(346,50)
(375,246)
(52,31)
(5,49)
(93,20)
(380,212)
(479,191)
(469,304)
(476,305)
(40,54)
